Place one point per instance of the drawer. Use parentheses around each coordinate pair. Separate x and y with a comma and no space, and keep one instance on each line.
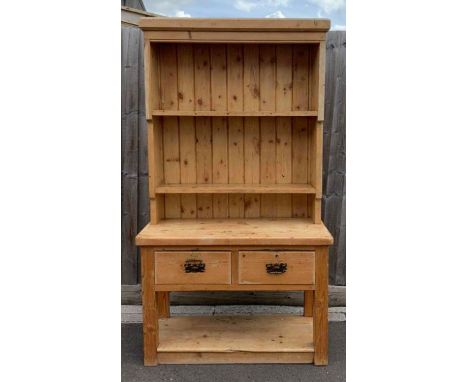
(276,267)
(192,267)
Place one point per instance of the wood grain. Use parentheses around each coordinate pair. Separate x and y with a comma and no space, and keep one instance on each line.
(169,267)
(320,309)
(235,232)
(300,267)
(150,309)
(263,334)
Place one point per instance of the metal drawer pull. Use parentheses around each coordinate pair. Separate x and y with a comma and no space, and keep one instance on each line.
(276,268)
(194,266)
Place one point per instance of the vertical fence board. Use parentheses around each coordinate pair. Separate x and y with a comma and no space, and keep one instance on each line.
(334,153)
(130,118)
(135,205)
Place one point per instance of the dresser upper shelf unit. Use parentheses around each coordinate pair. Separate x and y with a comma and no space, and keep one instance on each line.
(215,113)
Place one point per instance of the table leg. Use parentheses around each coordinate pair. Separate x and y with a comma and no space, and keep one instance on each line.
(164,305)
(320,311)
(150,308)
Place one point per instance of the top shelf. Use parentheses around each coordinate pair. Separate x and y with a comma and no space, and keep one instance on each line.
(214,113)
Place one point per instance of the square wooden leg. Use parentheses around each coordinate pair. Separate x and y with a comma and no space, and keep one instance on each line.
(308,303)
(150,308)
(164,306)
(320,311)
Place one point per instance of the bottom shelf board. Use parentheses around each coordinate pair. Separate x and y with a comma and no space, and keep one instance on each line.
(221,339)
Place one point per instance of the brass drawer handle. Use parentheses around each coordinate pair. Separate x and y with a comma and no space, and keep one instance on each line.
(276,268)
(194,266)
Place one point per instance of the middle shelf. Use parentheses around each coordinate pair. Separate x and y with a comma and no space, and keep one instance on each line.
(190,188)
(220,113)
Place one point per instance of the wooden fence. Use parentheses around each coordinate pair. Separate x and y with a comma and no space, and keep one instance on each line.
(134,191)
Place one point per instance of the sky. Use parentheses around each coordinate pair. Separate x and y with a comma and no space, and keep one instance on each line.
(335,10)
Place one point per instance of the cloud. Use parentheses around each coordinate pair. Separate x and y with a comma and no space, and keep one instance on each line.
(247,5)
(338,27)
(329,5)
(180,13)
(278,3)
(166,7)
(276,15)
(244,5)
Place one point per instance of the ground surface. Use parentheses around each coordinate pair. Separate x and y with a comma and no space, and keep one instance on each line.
(134,371)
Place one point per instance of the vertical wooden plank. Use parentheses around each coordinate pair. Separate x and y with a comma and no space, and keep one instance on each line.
(300,91)
(152,84)
(314,66)
(283,164)
(129,173)
(284,84)
(315,168)
(340,267)
(308,303)
(219,128)
(185,77)
(235,70)
(315,155)
(321,81)
(251,78)
(334,152)
(188,173)
(186,95)
(284,63)
(220,165)
(252,103)
(267,164)
(267,59)
(163,304)
(252,165)
(204,165)
(168,76)
(171,165)
(218,78)
(155,168)
(143,181)
(150,310)
(320,309)
(236,165)
(299,163)
(235,102)
(300,99)
(169,101)
(202,75)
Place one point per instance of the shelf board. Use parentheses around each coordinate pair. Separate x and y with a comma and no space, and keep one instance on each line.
(235,189)
(258,231)
(236,334)
(213,113)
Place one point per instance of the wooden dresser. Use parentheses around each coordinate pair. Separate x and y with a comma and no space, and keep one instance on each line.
(235,110)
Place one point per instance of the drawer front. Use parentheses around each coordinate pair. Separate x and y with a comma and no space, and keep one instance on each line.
(276,267)
(192,267)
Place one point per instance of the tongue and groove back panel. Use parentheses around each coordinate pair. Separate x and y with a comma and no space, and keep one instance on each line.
(230,78)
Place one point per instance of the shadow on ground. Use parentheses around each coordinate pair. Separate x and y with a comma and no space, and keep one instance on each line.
(134,371)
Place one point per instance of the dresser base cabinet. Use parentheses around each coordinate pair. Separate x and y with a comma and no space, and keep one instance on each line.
(235,111)
(235,339)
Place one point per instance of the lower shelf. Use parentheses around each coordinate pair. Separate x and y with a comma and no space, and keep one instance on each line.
(236,339)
